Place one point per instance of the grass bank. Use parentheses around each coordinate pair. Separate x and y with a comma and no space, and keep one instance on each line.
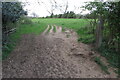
(31,28)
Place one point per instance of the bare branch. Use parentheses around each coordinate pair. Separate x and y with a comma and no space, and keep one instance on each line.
(54,5)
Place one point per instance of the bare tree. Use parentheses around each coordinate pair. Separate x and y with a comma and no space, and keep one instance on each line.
(34,14)
(53,5)
(49,7)
(63,8)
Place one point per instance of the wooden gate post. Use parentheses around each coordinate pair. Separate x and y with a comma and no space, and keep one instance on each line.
(99,33)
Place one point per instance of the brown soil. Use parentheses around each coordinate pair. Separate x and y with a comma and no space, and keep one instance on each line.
(53,55)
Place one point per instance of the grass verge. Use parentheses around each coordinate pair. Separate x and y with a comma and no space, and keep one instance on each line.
(85,35)
(112,57)
(14,38)
(101,64)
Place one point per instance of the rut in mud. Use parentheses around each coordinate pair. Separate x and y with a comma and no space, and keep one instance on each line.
(52,55)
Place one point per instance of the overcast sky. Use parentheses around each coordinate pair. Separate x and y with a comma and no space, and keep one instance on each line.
(41,8)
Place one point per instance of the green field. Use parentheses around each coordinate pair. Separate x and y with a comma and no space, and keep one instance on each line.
(81,26)
(69,23)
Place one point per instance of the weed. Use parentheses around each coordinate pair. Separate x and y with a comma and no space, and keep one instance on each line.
(54,28)
(67,35)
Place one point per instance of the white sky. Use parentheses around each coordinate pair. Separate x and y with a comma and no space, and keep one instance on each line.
(41,10)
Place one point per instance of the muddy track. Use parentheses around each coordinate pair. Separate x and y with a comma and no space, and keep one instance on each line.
(52,55)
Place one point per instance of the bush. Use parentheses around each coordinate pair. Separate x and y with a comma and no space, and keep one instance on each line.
(25,20)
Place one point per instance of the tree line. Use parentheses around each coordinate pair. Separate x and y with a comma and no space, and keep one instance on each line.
(68,14)
(71,14)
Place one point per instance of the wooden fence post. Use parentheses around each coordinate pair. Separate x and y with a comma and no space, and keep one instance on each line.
(99,34)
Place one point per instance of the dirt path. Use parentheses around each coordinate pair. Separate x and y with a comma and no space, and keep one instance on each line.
(53,55)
